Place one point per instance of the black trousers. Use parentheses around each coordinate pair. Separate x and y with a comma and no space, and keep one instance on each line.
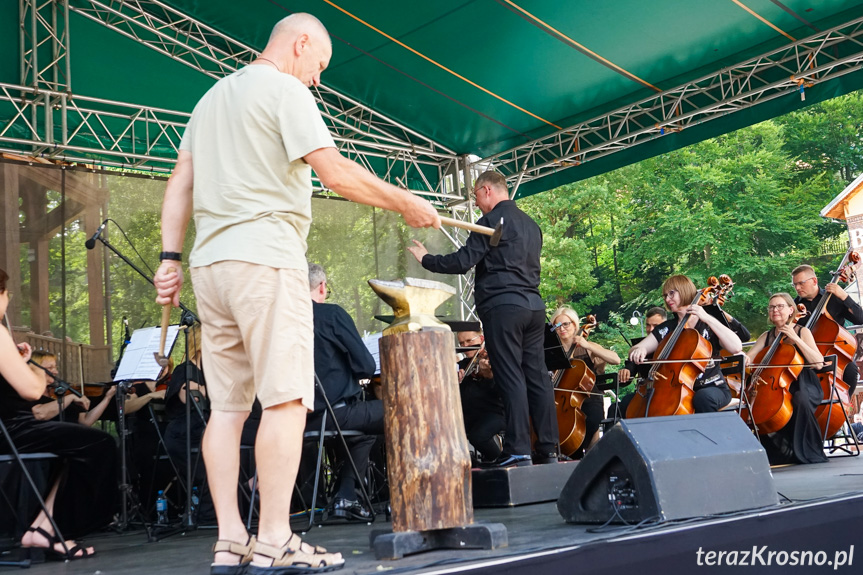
(514,339)
(87,496)
(365,416)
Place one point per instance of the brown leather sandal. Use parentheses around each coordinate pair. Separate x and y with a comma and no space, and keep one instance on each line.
(294,558)
(244,552)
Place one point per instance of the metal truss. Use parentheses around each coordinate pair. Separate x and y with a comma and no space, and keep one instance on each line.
(44,44)
(381,144)
(793,68)
(57,125)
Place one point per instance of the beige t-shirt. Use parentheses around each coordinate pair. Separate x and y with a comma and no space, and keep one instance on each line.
(252,190)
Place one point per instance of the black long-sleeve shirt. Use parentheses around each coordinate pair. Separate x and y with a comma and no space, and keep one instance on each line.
(841,311)
(505,274)
(341,357)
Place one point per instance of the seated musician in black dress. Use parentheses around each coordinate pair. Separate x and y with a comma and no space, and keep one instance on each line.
(840,307)
(82,494)
(341,360)
(711,392)
(481,402)
(595,356)
(75,409)
(799,441)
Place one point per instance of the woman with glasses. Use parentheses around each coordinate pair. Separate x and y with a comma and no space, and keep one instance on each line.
(799,441)
(82,495)
(711,392)
(567,323)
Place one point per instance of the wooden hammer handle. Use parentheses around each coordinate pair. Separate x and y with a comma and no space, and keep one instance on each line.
(467,226)
(166,319)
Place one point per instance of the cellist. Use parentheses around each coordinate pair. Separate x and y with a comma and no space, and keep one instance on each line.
(840,307)
(594,355)
(711,392)
(800,440)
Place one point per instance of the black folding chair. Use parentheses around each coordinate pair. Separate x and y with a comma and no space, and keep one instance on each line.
(20,459)
(845,434)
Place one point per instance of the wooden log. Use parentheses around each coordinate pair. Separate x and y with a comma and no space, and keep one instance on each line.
(428,460)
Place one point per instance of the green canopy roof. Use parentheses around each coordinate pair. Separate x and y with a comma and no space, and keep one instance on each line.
(485,77)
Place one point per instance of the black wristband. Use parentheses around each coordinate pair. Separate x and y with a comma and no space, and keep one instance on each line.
(176,256)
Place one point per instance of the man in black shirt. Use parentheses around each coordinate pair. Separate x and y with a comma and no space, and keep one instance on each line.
(513,317)
(840,307)
(341,360)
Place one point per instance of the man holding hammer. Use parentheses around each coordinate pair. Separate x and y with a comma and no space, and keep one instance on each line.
(512,314)
(244,169)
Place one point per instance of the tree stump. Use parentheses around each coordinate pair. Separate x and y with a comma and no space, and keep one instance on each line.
(427,451)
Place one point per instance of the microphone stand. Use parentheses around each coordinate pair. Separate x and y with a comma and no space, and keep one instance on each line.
(186,312)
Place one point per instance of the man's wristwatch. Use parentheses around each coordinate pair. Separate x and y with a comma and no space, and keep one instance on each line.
(176,256)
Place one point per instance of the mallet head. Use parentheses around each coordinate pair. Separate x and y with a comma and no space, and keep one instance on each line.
(495,238)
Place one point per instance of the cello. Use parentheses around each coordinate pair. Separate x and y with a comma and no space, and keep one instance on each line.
(570,388)
(681,357)
(771,374)
(832,338)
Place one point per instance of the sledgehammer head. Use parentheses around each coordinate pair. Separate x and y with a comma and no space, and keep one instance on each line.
(495,237)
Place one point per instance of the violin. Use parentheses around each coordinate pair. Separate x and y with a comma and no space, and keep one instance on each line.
(831,338)
(571,386)
(473,366)
(681,357)
(773,371)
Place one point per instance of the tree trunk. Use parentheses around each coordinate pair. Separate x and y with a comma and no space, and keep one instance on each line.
(427,451)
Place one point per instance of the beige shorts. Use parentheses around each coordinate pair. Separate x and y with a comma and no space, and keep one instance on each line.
(258,334)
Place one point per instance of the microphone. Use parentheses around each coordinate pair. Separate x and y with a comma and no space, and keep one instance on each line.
(91,243)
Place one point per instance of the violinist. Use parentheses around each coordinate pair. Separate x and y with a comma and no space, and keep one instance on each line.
(84,500)
(799,441)
(591,353)
(711,392)
(77,409)
(840,307)
(481,402)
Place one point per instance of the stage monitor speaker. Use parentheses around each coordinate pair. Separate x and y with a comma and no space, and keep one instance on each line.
(669,468)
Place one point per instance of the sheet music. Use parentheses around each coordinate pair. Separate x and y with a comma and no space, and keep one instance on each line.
(372,342)
(139,361)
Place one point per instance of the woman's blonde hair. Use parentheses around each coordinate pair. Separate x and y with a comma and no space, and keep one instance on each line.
(568,312)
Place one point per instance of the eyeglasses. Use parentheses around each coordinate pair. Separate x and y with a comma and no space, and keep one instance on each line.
(476,191)
(669,294)
(801,282)
(777,306)
(469,341)
(565,324)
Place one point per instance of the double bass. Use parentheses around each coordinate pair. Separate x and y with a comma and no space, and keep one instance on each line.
(831,338)
(571,386)
(680,358)
(773,371)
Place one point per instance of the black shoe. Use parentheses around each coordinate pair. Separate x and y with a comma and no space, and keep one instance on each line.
(509,461)
(543,458)
(350,510)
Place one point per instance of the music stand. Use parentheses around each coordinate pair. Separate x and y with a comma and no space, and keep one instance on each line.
(555,355)
(137,364)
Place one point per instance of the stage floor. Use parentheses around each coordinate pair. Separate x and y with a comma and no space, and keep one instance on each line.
(537,537)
